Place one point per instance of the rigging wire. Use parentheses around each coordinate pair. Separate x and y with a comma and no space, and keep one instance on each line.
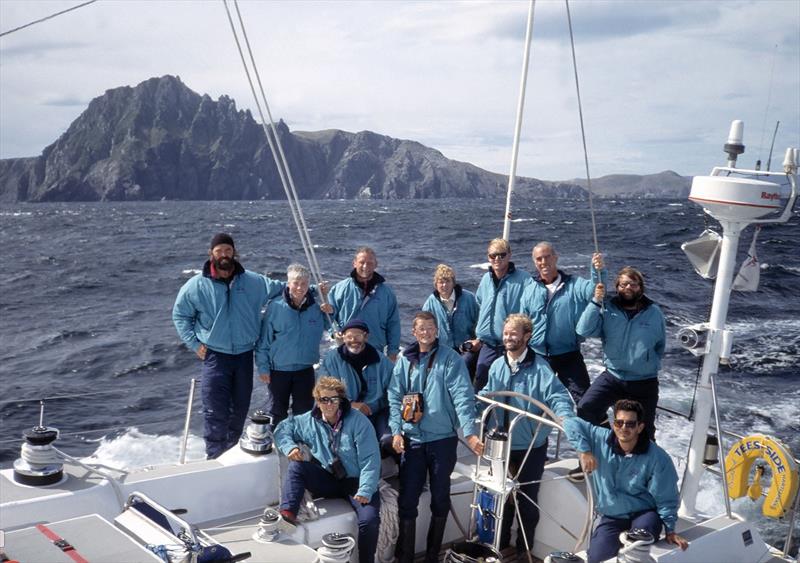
(51,16)
(769,101)
(276,147)
(583,131)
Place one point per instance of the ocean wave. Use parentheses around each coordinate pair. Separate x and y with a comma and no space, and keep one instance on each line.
(134,449)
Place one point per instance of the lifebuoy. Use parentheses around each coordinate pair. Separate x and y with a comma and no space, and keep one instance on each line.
(783,489)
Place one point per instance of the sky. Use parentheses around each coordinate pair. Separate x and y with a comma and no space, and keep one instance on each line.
(660,80)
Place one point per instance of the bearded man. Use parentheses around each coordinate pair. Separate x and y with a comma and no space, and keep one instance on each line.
(218,316)
(633,332)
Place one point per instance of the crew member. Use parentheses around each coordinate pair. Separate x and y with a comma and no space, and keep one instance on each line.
(554,302)
(365,372)
(498,295)
(344,463)
(218,316)
(456,311)
(634,481)
(633,331)
(430,397)
(523,371)
(288,346)
(365,295)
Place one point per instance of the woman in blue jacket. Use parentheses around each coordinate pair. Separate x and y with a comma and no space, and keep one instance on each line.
(345,461)
(456,311)
(430,397)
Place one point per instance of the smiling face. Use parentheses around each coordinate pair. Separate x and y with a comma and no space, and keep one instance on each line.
(355,340)
(425,331)
(298,287)
(499,257)
(444,285)
(546,261)
(627,428)
(365,264)
(515,338)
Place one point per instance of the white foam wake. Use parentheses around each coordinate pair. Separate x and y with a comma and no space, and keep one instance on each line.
(135,449)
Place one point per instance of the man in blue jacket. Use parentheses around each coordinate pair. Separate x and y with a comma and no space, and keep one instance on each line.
(430,397)
(289,344)
(365,372)
(218,316)
(365,295)
(633,332)
(555,301)
(456,311)
(634,481)
(523,371)
(499,295)
(344,463)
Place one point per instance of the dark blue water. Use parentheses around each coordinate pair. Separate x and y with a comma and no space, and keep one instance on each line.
(88,290)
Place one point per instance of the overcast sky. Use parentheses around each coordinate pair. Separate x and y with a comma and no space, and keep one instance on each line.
(660,81)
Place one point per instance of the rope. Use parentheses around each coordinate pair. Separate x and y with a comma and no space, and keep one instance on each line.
(51,16)
(276,147)
(390,526)
(583,131)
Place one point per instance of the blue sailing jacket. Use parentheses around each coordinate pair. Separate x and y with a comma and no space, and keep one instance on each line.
(554,321)
(448,401)
(624,484)
(356,444)
(632,347)
(225,317)
(290,335)
(378,309)
(376,375)
(535,378)
(497,299)
(458,326)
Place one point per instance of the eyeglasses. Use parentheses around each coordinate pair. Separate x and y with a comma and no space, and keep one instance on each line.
(626,423)
(628,284)
(497,255)
(329,400)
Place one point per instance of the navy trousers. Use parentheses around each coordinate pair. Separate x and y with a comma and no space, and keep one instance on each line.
(604,543)
(529,512)
(295,384)
(607,390)
(227,383)
(305,475)
(571,371)
(419,461)
(471,360)
(486,357)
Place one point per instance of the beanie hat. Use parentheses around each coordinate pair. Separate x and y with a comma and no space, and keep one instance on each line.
(356,323)
(221,238)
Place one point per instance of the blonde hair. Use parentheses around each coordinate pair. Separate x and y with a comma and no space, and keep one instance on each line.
(443,271)
(502,244)
(522,321)
(330,384)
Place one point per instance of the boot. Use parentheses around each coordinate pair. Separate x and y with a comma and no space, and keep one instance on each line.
(435,535)
(406,542)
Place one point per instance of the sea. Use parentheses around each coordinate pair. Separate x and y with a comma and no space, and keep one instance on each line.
(87,297)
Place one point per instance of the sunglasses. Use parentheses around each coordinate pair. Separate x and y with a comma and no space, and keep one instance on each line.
(495,255)
(628,284)
(626,423)
(329,400)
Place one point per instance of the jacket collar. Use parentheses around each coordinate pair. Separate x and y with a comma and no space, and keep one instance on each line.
(412,353)
(530,357)
(644,303)
(641,447)
(456,289)
(307,302)
(237,270)
(511,269)
(368,356)
(564,277)
(373,282)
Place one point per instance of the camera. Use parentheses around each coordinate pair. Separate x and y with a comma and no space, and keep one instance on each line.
(412,407)
(466,346)
(337,469)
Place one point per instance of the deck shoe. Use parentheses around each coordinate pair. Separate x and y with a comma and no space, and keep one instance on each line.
(435,536)
(289,516)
